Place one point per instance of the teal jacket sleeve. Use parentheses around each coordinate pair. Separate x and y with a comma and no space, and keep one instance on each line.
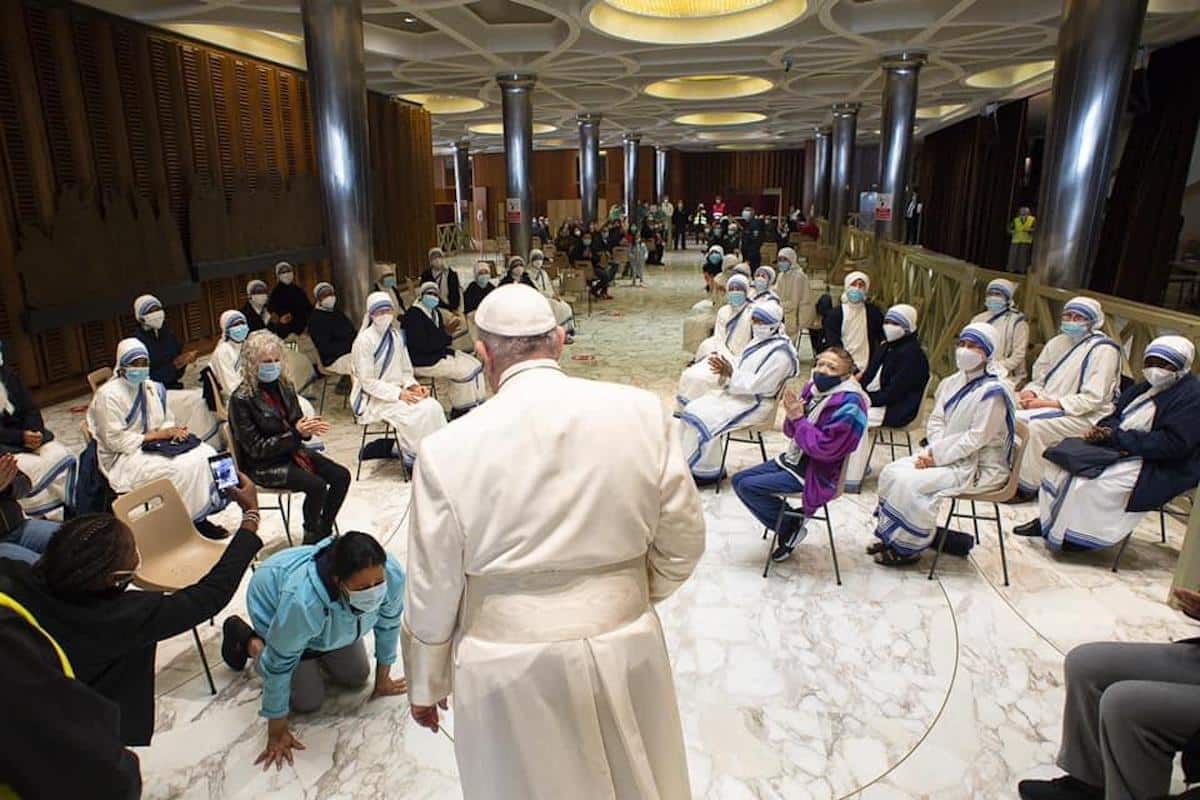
(295,624)
(387,625)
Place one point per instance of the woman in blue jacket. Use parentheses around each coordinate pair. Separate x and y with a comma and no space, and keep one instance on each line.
(310,607)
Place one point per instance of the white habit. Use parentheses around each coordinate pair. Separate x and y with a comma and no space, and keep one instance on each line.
(381,369)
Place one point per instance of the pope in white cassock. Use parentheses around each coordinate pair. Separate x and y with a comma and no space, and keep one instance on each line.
(531,601)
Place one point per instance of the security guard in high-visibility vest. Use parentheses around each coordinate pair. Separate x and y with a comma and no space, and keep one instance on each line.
(60,738)
(1020,252)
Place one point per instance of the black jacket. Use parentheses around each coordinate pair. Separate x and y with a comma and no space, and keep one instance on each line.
(833,329)
(753,233)
(25,416)
(474,295)
(454,293)
(905,371)
(507,279)
(288,298)
(253,319)
(164,348)
(332,332)
(110,637)
(265,441)
(427,343)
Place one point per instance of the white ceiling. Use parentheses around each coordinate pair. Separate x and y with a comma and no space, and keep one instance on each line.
(458,46)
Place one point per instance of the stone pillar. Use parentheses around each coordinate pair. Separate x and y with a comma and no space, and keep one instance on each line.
(589,166)
(516,92)
(333,45)
(661,154)
(631,142)
(895,144)
(462,182)
(841,172)
(822,157)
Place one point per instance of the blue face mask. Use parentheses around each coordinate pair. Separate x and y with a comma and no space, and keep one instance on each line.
(367,601)
(855,295)
(389,282)
(825,382)
(269,371)
(995,304)
(238,333)
(483,281)
(714,258)
(761,284)
(737,298)
(136,375)
(1076,330)
(430,301)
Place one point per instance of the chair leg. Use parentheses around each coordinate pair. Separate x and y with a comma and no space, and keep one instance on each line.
(1000,536)
(871,450)
(324,388)
(361,445)
(941,542)
(1121,551)
(974,521)
(837,573)
(908,442)
(775,537)
(721,471)
(212,687)
(1162,523)
(762,448)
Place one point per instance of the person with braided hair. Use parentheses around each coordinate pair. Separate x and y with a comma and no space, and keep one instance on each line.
(77,594)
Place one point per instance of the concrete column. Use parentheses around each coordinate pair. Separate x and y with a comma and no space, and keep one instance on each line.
(661,154)
(589,166)
(900,74)
(1097,42)
(333,45)
(841,172)
(631,142)
(462,182)
(822,145)
(516,92)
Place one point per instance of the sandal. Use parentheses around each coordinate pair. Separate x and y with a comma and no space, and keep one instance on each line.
(876,547)
(890,558)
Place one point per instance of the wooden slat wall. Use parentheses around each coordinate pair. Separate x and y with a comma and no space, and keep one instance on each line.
(746,172)
(94,101)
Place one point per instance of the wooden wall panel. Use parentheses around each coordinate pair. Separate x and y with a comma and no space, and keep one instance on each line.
(707,174)
(402,168)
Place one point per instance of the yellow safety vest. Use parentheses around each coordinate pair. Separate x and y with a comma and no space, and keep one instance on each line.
(1023,230)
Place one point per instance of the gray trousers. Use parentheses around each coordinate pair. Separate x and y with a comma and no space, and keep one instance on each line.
(1129,709)
(347,666)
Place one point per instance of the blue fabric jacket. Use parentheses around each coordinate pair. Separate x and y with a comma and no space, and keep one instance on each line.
(292,611)
(905,373)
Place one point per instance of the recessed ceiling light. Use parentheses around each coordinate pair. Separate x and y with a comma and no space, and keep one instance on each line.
(936,112)
(708,87)
(445,103)
(409,20)
(692,21)
(1004,77)
(497,128)
(720,118)
(745,147)
(726,136)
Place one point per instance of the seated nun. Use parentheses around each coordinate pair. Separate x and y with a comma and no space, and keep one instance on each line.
(714,265)
(763,287)
(168,364)
(746,395)
(226,360)
(698,324)
(384,387)
(1075,381)
(792,286)
(288,304)
(895,383)
(731,334)
(970,434)
(255,310)
(331,331)
(445,278)
(823,425)
(516,273)
(297,368)
(856,324)
(430,346)
(542,281)
(1012,328)
(480,288)
(138,440)
(48,465)
(385,281)
(1156,441)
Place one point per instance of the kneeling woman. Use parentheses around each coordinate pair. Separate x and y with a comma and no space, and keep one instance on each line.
(824,425)
(270,432)
(970,433)
(310,607)
(1154,430)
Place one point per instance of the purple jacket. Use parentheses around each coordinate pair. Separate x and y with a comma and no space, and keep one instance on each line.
(827,443)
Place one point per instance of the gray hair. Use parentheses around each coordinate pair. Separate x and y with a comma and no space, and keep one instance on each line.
(256,347)
(509,350)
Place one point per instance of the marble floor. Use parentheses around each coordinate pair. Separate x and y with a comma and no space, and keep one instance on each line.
(889,686)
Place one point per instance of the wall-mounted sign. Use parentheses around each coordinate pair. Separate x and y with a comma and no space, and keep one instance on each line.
(512,206)
(883,206)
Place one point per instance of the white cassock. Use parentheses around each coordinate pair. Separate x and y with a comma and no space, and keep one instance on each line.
(1012,346)
(463,373)
(118,417)
(799,309)
(749,399)
(563,314)
(380,370)
(970,432)
(534,609)
(1083,377)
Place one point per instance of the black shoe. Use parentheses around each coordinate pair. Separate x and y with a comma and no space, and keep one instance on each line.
(1064,788)
(235,643)
(1031,528)
(1023,496)
(211,531)
(312,537)
(343,386)
(781,553)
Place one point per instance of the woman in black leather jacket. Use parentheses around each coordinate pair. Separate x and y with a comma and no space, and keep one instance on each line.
(270,431)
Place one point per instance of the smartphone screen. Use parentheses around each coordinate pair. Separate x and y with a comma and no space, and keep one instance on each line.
(224,471)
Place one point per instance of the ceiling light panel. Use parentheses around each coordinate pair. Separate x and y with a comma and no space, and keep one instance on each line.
(1004,77)
(692,21)
(720,118)
(708,87)
(445,103)
(497,128)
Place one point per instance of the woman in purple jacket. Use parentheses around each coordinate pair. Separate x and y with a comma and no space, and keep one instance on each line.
(824,424)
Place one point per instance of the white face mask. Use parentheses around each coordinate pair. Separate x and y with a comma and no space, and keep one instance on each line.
(286,278)
(258,300)
(382,322)
(968,360)
(1160,376)
(762,331)
(892,332)
(329,302)
(154,320)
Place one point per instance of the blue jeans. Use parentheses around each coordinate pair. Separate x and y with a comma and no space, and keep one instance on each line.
(28,540)
(759,489)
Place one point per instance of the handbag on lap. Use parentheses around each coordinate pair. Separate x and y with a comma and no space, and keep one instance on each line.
(1082,458)
(170,448)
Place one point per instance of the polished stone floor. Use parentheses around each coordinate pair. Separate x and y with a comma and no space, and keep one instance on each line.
(889,686)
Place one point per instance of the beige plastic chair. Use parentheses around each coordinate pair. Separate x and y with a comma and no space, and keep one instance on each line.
(97,377)
(174,555)
(820,515)
(1002,495)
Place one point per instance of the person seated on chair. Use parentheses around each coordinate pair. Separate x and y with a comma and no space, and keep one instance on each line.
(331,330)
(138,440)
(746,397)
(545,285)
(480,288)
(168,364)
(255,308)
(713,265)
(895,382)
(271,432)
(310,608)
(731,334)
(445,278)
(585,248)
(51,469)
(226,360)
(386,282)
(21,538)
(823,425)
(1155,443)
(384,387)
(516,272)
(77,594)
(971,440)
(792,285)
(288,303)
(856,324)
(1012,328)
(762,288)
(1075,381)
(1129,708)
(430,347)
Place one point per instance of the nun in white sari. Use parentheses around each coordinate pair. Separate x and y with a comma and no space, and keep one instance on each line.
(1012,328)
(49,466)
(130,410)
(542,281)
(746,397)
(970,432)
(383,387)
(169,364)
(1074,384)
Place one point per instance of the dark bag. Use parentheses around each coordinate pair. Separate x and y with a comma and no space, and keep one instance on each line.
(169,448)
(1082,458)
(957,542)
(92,492)
(47,436)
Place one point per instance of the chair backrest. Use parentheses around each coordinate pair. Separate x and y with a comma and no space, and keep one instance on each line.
(1014,476)
(163,529)
(221,411)
(227,433)
(97,377)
